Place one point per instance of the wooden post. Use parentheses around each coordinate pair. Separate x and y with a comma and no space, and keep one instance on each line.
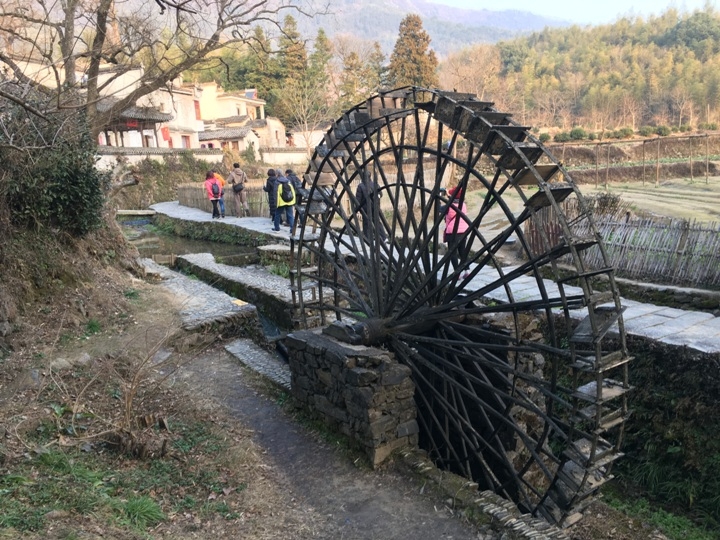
(657,164)
(643,158)
(692,143)
(597,146)
(707,156)
(607,167)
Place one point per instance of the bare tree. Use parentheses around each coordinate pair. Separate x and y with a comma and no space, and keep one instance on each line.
(474,70)
(307,103)
(66,48)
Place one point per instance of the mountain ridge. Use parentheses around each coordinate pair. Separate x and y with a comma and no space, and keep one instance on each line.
(450,28)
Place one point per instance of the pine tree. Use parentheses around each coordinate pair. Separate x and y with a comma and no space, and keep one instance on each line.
(292,58)
(319,60)
(412,62)
(377,71)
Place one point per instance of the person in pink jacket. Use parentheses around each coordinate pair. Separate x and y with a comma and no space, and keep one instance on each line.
(456,225)
(213,188)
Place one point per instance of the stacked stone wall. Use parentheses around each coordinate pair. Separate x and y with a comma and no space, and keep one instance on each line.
(361,392)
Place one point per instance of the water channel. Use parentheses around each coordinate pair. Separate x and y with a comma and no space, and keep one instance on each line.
(152,244)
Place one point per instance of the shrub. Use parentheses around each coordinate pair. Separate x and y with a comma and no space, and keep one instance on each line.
(578,133)
(57,186)
(626,132)
(544,137)
(663,131)
(248,154)
(593,136)
(646,131)
(563,136)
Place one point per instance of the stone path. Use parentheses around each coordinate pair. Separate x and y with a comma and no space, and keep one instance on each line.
(364,505)
(696,330)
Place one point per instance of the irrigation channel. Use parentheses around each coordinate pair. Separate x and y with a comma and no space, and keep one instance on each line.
(163,247)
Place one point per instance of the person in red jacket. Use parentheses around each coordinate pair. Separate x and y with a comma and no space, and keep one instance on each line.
(213,188)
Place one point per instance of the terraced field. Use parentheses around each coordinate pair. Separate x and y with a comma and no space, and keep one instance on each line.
(677,198)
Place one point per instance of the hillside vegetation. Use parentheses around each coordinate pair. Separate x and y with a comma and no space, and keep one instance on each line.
(661,71)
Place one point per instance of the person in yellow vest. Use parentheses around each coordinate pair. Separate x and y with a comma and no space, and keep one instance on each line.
(285,197)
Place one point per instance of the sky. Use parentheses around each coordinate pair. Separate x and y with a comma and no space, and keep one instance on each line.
(585,11)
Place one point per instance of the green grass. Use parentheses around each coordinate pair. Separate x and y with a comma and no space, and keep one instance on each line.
(92,327)
(142,512)
(99,484)
(675,527)
(280,269)
(131,294)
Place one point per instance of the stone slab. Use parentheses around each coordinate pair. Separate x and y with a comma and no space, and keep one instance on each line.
(261,361)
(199,302)
(674,325)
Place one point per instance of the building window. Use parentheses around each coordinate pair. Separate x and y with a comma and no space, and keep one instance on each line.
(170,143)
(197,110)
(235,145)
(186,141)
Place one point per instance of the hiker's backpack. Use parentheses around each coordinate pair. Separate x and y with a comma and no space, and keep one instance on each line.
(215,189)
(286,193)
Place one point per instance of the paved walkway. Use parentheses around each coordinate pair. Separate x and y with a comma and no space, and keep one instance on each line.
(360,504)
(697,330)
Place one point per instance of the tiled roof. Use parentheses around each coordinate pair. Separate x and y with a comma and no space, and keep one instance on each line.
(233,119)
(135,113)
(220,134)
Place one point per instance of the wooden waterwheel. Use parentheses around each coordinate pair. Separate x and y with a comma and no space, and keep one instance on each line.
(521,382)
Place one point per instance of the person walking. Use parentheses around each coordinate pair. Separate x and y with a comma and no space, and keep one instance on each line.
(455,227)
(221,200)
(285,197)
(237,179)
(270,188)
(212,187)
(368,196)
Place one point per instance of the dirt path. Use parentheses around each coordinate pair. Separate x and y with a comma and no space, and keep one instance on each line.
(358,503)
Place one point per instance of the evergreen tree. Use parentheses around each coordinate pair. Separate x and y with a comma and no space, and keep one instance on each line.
(319,61)
(292,58)
(351,87)
(412,62)
(377,70)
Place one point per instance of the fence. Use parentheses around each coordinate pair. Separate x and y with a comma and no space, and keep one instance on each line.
(692,156)
(672,252)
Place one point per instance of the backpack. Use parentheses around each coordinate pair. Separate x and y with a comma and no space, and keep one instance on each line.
(215,189)
(286,193)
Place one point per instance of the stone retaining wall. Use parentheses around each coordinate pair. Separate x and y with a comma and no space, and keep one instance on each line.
(361,392)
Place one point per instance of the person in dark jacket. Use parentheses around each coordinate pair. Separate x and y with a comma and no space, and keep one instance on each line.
(270,188)
(368,204)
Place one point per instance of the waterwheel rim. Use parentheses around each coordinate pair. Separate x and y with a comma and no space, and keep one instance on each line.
(490,361)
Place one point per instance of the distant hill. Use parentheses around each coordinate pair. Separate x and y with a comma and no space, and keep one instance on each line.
(450,28)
